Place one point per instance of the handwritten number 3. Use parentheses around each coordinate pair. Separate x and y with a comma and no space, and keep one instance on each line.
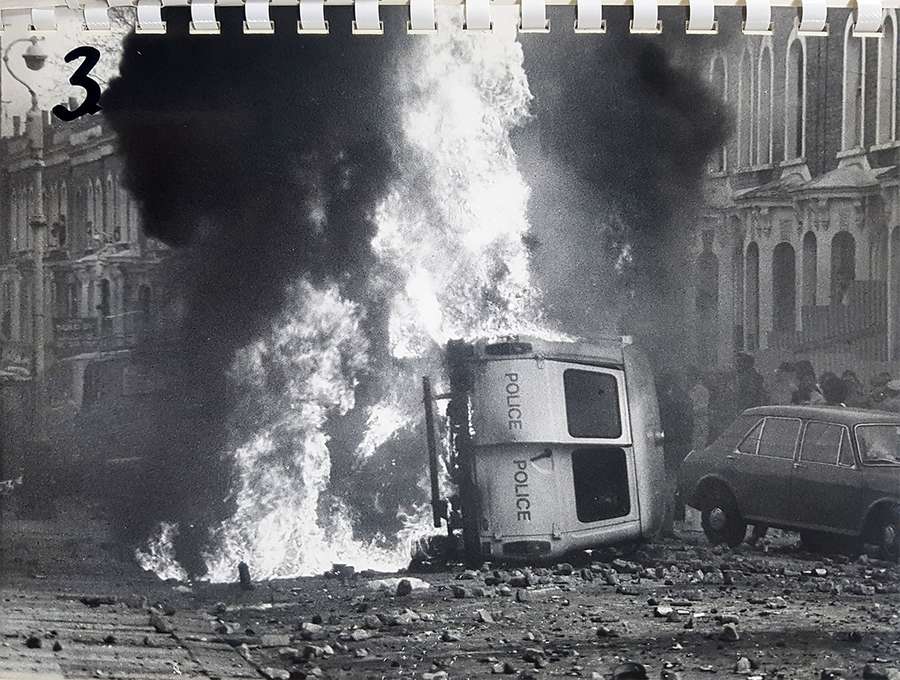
(82,79)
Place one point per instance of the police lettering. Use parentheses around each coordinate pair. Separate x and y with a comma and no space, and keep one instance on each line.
(523,501)
(513,401)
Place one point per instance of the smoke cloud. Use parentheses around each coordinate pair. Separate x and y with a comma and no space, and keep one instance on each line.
(260,159)
(615,160)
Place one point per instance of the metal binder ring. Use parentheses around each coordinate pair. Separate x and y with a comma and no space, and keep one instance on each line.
(96,16)
(149,17)
(533,17)
(645,17)
(365,18)
(478,16)
(43,19)
(589,17)
(757,18)
(203,18)
(813,17)
(421,17)
(256,17)
(869,18)
(312,18)
(702,18)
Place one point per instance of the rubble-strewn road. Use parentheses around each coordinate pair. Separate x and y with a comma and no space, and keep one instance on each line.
(72,609)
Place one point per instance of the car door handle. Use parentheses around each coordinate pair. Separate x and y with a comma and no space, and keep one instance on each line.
(799,466)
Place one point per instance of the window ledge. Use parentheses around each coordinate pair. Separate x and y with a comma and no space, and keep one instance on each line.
(886,146)
(850,153)
(793,162)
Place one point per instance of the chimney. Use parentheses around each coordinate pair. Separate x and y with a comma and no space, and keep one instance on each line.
(17,126)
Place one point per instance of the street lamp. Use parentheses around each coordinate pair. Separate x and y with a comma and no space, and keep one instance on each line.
(35,58)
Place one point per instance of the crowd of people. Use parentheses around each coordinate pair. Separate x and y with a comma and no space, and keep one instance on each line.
(695,408)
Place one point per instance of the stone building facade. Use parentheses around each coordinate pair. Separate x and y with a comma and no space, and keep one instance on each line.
(104,287)
(797,252)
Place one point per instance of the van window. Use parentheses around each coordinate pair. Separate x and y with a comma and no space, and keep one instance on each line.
(779,437)
(592,404)
(750,443)
(821,443)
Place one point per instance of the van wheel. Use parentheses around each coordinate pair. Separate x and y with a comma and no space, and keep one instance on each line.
(722,523)
(887,535)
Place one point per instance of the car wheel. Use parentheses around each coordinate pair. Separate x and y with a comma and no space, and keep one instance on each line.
(722,522)
(887,535)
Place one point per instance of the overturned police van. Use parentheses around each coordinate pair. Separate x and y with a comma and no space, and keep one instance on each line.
(553,447)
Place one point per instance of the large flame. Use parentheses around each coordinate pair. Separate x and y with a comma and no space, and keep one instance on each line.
(450,242)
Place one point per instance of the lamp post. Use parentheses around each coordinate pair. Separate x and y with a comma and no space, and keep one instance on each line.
(34,58)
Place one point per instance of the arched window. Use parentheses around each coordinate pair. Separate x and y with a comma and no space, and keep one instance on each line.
(90,223)
(718,78)
(810,268)
(784,288)
(63,199)
(707,307)
(752,292)
(745,111)
(737,272)
(98,207)
(795,98)
(843,266)
(886,118)
(854,88)
(765,105)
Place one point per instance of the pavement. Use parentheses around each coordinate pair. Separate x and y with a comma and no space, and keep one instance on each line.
(75,605)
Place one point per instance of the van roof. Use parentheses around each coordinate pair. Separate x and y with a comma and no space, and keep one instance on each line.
(834,414)
(599,349)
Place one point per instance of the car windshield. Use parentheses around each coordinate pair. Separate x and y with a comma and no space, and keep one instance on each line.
(879,444)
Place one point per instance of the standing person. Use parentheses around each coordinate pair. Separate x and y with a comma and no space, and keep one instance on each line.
(784,385)
(891,401)
(699,397)
(855,394)
(749,390)
(878,392)
(834,390)
(677,423)
(808,392)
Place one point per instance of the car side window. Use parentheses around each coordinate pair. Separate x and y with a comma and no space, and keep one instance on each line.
(750,443)
(846,457)
(821,443)
(779,437)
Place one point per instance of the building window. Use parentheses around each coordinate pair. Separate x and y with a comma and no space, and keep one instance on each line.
(886,119)
(810,269)
(854,88)
(765,103)
(737,270)
(784,288)
(795,99)
(752,290)
(746,117)
(843,266)
(718,77)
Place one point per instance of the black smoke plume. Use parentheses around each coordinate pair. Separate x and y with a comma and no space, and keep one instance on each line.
(258,159)
(623,131)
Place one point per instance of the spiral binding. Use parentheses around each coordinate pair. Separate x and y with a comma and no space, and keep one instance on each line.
(869,14)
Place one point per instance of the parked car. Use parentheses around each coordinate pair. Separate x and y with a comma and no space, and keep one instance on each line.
(832,473)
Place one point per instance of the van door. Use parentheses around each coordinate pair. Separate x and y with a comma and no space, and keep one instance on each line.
(826,485)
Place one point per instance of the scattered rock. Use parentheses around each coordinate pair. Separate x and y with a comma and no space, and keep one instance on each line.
(160,624)
(832,673)
(404,588)
(57,647)
(743,666)
(97,600)
(630,670)
(359,634)
(109,639)
(437,675)
(460,593)
(662,611)
(272,640)
(451,636)
(484,616)
(34,642)
(276,673)
(729,633)
(505,668)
